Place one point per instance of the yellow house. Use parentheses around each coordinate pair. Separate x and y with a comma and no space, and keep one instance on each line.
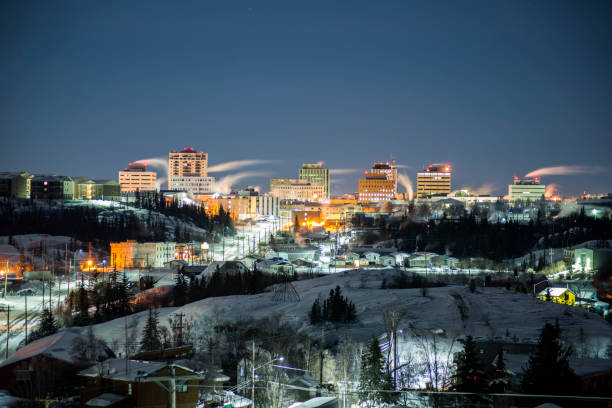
(558,295)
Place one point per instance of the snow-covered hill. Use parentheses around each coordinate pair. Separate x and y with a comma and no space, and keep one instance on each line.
(487,313)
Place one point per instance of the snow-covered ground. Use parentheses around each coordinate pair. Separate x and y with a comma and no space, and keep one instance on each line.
(489,313)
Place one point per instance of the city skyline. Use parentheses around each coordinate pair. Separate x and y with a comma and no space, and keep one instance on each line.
(496,90)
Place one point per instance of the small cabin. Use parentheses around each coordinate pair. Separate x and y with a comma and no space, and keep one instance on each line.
(558,295)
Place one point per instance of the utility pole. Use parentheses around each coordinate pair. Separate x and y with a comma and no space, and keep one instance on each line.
(321,357)
(7,308)
(127,358)
(26,318)
(179,327)
(252,376)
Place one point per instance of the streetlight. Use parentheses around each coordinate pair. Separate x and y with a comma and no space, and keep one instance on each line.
(253,375)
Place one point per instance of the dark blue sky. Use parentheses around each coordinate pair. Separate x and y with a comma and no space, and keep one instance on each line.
(496,88)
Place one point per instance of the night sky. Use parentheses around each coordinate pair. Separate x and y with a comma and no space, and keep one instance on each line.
(497,89)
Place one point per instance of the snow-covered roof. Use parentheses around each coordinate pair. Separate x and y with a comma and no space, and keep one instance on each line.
(105,400)
(117,369)
(581,366)
(318,402)
(59,346)
(554,292)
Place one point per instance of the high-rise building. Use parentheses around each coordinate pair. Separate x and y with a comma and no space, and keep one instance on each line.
(188,171)
(137,178)
(388,170)
(295,189)
(316,174)
(434,180)
(375,187)
(188,162)
(379,184)
(526,189)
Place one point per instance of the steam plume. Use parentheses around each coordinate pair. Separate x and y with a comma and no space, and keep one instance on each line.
(156,162)
(485,189)
(565,171)
(235,165)
(405,181)
(224,185)
(343,171)
(551,190)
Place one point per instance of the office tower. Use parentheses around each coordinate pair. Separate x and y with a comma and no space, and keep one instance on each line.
(136,178)
(317,175)
(434,180)
(526,189)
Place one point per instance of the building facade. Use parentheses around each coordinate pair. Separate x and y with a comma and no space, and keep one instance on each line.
(87,189)
(268,205)
(52,187)
(132,254)
(188,171)
(388,170)
(317,175)
(526,189)
(295,189)
(375,187)
(15,184)
(136,178)
(434,180)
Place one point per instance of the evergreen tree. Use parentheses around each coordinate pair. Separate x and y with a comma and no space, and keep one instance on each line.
(180,290)
(151,336)
(375,384)
(315,312)
(48,326)
(548,370)
(501,377)
(470,369)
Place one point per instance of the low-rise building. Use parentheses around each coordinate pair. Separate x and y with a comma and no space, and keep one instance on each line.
(136,383)
(558,295)
(132,254)
(296,189)
(589,260)
(528,189)
(52,187)
(15,184)
(88,189)
(136,178)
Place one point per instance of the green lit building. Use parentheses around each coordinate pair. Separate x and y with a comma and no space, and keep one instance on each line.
(316,174)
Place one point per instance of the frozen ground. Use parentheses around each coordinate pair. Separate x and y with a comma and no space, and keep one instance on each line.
(489,313)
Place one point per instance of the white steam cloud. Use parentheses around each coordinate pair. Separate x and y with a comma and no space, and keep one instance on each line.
(405,181)
(158,163)
(224,184)
(334,172)
(235,165)
(565,171)
(551,190)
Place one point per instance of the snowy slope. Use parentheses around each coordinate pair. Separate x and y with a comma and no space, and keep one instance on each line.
(488,313)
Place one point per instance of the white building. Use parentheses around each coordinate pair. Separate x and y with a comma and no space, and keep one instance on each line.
(192,184)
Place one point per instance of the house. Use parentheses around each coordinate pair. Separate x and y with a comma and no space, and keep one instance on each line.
(588,299)
(351,257)
(445,261)
(251,260)
(373,258)
(50,365)
(387,260)
(136,383)
(276,265)
(400,257)
(558,295)
(422,260)
(224,267)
